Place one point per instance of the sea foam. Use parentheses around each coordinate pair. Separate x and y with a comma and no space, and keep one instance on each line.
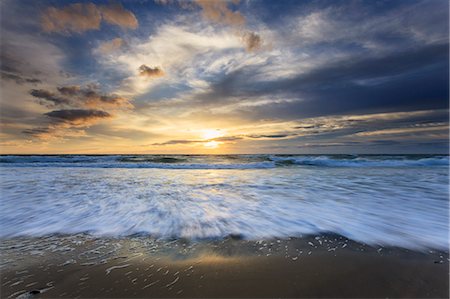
(398,206)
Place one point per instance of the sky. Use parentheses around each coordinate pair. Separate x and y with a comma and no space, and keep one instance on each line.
(222,77)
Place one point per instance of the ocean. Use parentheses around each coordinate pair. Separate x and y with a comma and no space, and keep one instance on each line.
(389,200)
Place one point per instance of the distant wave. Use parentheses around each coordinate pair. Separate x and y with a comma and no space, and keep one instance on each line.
(361,162)
(222,162)
(138,159)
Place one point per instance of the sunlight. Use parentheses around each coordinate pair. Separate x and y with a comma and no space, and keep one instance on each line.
(211,134)
(212,144)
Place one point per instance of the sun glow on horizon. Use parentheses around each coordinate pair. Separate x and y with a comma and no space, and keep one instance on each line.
(212,144)
(211,134)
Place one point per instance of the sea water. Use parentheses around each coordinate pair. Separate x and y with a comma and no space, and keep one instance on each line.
(380,200)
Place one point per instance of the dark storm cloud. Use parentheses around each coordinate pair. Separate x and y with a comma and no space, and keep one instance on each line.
(76,96)
(67,123)
(403,81)
(50,99)
(69,90)
(87,107)
(77,115)
(19,79)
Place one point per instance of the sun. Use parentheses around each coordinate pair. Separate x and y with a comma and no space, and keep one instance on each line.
(211,134)
(208,135)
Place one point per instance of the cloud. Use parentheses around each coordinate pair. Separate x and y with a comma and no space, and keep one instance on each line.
(327,60)
(194,141)
(44,131)
(81,17)
(116,14)
(404,79)
(272,136)
(405,130)
(110,46)
(77,17)
(225,139)
(337,23)
(50,99)
(93,98)
(69,90)
(67,123)
(215,11)
(76,96)
(82,107)
(150,72)
(218,11)
(29,58)
(185,54)
(252,41)
(78,116)
(54,132)
(19,79)
(180,141)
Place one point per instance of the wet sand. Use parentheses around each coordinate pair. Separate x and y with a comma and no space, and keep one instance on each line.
(326,266)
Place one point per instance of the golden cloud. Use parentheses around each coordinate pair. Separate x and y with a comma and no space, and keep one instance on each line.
(116,14)
(80,17)
(110,46)
(218,11)
(77,17)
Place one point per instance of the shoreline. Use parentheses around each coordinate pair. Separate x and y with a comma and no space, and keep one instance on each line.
(313,266)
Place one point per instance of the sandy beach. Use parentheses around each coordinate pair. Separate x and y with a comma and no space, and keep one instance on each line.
(325,266)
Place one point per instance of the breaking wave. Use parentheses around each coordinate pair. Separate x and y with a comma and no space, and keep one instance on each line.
(222,162)
(399,206)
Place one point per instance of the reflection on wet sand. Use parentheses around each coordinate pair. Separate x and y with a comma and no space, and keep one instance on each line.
(312,266)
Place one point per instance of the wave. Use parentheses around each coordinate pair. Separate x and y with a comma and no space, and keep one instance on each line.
(394,206)
(361,162)
(138,159)
(222,162)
